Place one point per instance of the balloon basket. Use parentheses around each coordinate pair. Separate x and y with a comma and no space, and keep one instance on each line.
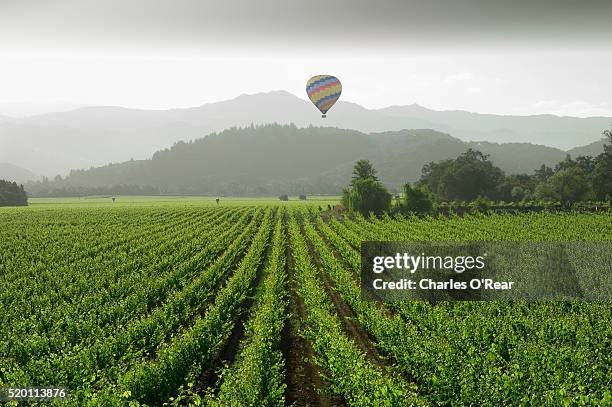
(323,116)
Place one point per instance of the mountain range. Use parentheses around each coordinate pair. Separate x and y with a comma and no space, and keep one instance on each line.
(57,142)
(276,159)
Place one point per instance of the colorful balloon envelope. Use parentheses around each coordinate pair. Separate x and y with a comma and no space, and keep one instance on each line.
(323,91)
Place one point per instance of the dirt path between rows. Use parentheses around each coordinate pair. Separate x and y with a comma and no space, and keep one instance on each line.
(226,356)
(348,318)
(381,356)
(304,384)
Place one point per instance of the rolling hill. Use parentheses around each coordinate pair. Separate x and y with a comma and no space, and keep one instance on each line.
(274,159)
(592,149)
(560,132)
(14,173)
(93,136)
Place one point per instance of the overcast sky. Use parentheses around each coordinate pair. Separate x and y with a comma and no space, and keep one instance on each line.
(509,57)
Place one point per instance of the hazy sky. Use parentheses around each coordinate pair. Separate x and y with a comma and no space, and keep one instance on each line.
(511,57)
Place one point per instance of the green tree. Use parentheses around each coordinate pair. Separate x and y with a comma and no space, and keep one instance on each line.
(417,200)
(363,169)
(518,193)
(565,164)
(367,196)
(586,163)
(566,186)
(601,177)
(517,187)
(464,178)
(542,174)
(608,147)
(12,194)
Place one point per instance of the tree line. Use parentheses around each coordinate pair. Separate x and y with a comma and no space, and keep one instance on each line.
(47,189)
(12,194)
(472,179)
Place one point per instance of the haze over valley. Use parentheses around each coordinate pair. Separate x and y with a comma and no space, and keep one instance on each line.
(57,142)
(112,84)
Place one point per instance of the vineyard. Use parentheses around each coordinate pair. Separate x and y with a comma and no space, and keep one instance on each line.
(260,305)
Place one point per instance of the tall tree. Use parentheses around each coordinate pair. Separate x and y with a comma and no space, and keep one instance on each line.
(601,177)
(542,174)
(608,147)
(366,194)
(364,169)
(12,194)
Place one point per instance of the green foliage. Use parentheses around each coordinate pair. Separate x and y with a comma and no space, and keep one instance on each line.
(417,200)
(12,194)
(543,173)
(486,353)
(480,205)
(362,170)
(127,305)
(367,196)
(602,171)
(464,178)
(567,186)
(351,376)
(472,175)
(257,377)
(518,193)
(602,177)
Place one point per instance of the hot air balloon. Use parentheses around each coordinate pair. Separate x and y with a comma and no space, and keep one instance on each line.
(323,91)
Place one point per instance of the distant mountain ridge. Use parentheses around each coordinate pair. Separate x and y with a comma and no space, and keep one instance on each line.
(93,136)
(560,132)
(14,173)
(592,149)
(275,159)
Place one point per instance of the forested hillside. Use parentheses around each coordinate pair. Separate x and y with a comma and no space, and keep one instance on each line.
(54,143)
(273,159)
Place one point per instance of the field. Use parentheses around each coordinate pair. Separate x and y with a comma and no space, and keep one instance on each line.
(257,302)
(175,201)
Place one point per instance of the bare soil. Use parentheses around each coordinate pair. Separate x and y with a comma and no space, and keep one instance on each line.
(348,318)
(304,384)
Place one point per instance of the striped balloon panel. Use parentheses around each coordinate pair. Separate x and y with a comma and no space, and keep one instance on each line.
(323,91)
